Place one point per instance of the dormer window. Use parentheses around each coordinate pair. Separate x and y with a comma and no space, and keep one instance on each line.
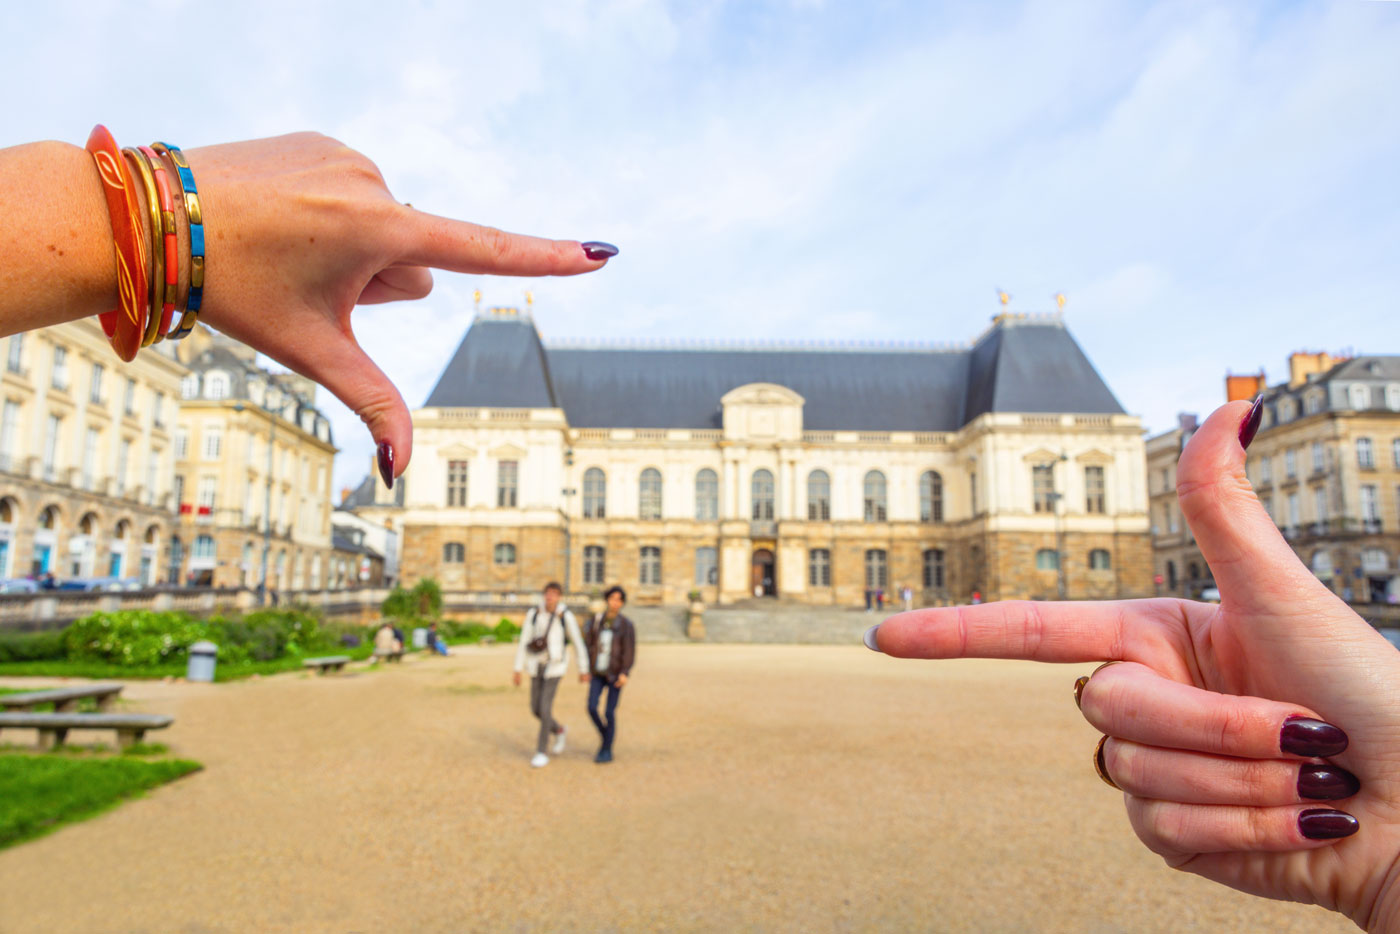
(1360,396)
(216,384)
(189,386)
(1286,410)
(1392,397)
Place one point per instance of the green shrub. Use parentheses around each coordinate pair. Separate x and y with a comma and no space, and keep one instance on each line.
(398,605)
(32,646)
(427,598)
(133,638)
(506,631)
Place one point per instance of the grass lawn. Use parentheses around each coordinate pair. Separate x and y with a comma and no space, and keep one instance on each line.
(39,793)
(66,668)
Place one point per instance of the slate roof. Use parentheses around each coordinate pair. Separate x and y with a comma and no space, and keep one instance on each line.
(342,541)
(363,495)
(1018,365)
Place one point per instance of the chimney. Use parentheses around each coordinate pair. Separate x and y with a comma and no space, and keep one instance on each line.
(1186,421)
(1243,387)
(344,494)
(1302,366)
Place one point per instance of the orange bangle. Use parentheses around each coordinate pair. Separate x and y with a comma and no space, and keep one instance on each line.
(125,324)
(172,244)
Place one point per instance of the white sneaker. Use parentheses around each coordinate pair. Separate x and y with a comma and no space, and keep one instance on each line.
(559,740)
(539,761)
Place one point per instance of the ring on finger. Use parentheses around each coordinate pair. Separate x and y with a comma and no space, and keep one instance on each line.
(1100,767)
(1083,680)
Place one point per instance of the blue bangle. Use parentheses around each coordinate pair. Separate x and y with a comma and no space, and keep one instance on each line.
(195,213)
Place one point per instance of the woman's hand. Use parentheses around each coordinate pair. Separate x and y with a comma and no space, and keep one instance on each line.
(1219,773)
(300,229)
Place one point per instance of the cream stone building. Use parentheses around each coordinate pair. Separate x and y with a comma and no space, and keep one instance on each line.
(86,456)
(814,473)
(1326,464)
(1179,568)
(250,447)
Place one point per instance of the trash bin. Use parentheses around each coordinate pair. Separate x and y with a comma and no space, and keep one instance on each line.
(420,638)
(202,658)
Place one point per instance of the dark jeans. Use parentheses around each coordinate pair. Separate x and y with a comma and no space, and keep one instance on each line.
(607,727)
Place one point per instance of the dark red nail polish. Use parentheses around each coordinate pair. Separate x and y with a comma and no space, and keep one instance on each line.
(1250,426)
(1303,736)
(386,463)
(1326,783)
(597,249)
(1326,824)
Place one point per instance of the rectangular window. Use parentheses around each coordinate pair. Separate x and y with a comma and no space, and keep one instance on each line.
(16,356)
(1093,489)
(1171,518)
(207,488)
(152,464)
(1043,487)
(157,404)
(129,398)
(182,444)
(95,388)
(1266,469)
(179,491)
(1293,515)
(59,378)
(1370,503)
(819,567)
(1320,504)
(213,442)
(1395,451)
(706,567)
(876,569)
(9,424)
(1319,457)
(507,478)
(651,566)
(594,568)
(1365,454)
(1290,464)
(933,569)
(51,430)
(123,457)
(457,483)
(972,490)
(89,458)
(1268,504)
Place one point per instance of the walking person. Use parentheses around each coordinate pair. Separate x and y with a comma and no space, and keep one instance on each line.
(542,649)
(612,646)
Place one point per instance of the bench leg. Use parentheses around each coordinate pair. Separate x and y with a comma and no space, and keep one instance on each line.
(64,706)
(128,738)
(53,737)
(105,702)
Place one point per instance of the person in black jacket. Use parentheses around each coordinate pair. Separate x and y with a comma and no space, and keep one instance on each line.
(611,641)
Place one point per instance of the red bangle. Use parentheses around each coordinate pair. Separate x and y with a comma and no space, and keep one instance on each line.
(172,247)
(125,324)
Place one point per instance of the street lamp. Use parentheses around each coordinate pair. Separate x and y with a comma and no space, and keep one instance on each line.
(569,493)
(267,499)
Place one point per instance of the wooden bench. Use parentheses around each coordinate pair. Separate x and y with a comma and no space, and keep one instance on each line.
(329,663)
(393,656)
(63,699)
(53,727)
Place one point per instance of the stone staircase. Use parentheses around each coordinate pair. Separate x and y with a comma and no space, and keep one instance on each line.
(758,621)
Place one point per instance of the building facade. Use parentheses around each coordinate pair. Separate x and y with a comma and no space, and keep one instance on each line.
(1002,469)
(253,465)
(1179,568)
(86,456)
(1326,465)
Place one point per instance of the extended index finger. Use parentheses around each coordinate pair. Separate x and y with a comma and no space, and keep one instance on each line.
(461,246)
(1119,630)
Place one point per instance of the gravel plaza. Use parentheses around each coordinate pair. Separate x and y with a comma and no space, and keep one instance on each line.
(756,788)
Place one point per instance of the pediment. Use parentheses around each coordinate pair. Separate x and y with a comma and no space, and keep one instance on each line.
(507,452)
(1095,457)
(457,452)
(762,394)
(1041,456)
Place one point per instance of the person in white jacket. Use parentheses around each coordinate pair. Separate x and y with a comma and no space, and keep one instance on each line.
(543,650)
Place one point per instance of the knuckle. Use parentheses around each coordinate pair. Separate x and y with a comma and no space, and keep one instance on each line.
(1233,730)
(1124,763)
(497,243)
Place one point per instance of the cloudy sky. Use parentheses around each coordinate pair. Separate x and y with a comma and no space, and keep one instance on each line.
(1213,185)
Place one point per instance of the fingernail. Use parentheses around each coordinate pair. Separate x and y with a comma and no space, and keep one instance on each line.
(1326,824)
(1326,783)
(1303,736)
(597,249)
(1250,426)
(869,638)
(386,463)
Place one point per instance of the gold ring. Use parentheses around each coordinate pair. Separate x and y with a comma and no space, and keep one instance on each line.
(1083,680)
(1100,767)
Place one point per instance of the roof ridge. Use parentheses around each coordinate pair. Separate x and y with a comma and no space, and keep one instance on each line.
(754,345)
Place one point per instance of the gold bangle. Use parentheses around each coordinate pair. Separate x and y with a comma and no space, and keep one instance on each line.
(1101,767)
(157,290)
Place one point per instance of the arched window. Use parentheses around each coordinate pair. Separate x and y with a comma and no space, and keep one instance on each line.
(1099,560)
(651,566)
(875,497)
(593,565)
(933,569)
(819,496)
(930,497)
(649,494)
(204,546)
(1047,559)
(877,574)
(707,494)
(819,567)
(505,553)
(177,559)
(48,519)
(454,553)
(595,494)
(762,495)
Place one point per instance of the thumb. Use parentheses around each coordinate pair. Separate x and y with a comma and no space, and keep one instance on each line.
(1254,567)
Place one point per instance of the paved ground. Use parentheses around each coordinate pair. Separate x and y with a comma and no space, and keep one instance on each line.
(757,788)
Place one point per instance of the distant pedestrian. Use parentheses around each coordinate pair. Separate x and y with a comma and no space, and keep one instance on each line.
(612,647)
(906,594)
(880,600)
(542,649)
(435,643)
(869,599)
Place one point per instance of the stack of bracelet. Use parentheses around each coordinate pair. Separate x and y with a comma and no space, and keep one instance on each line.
(148,272)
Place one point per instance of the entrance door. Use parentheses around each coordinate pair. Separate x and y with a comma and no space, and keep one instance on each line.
(764,580)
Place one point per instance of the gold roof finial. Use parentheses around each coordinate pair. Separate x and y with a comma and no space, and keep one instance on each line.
(1004,297)
(529,297)
(476,297)
(1060,300)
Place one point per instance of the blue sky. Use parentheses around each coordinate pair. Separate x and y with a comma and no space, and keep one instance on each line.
(1213,185)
